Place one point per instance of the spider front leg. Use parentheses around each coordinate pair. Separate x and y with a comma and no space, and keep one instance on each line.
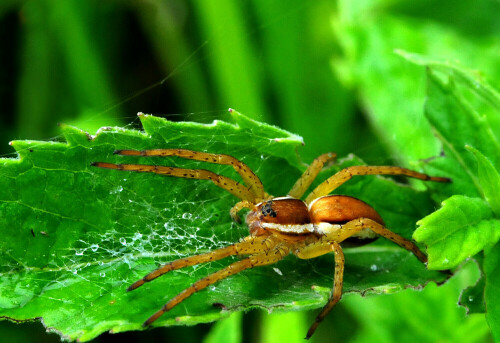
(252,180)
(303,183)
(254,191)
(238,207)
(233,187)
(317,249)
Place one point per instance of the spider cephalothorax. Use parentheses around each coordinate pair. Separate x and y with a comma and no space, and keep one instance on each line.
(280,225)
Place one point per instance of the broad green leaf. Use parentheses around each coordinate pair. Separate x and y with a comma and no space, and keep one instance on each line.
(461,228)
(393,91)
(453,95)
(75,236)
(458,124)
(464,111)
(488,179)
(492,290)
(474,86)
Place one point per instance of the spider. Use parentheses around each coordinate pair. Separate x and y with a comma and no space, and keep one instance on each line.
(279,225)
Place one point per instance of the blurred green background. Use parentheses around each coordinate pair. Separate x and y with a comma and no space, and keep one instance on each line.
(325,70)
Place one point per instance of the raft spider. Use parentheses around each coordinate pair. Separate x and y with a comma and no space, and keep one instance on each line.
(279,225)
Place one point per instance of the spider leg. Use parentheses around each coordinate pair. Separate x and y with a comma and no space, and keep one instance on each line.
(337,286)
(223,182)
(248,245)
(303,183)
(332,243)
(346,174)
(354,226)
(260,259)
(241,168)
(238,207)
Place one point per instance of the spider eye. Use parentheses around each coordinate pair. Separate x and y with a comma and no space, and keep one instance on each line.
(267,209)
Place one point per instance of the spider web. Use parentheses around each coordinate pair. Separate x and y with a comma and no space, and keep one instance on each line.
(78,236)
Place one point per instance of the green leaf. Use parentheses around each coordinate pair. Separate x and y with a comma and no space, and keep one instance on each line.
(457,125)
(488,179)
(392,91)
(464,112)
(492,289)
(75,236)
(472,298)
(474,86)
(455,97)
(461,228)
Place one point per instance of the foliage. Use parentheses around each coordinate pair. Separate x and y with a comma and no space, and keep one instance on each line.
(395,82)
(75,236)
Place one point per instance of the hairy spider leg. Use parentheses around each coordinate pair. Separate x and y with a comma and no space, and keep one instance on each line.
(248,245)
(238,207)
(262,259)
(346,174)
(338,277)
(233,187)
(332,243)
(241,168)
(354,226)
(303,183)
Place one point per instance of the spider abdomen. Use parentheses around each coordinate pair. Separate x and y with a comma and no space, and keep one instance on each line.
(340,209)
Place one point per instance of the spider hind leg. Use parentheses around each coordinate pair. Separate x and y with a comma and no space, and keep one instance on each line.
(248,245)
(356,225)
(338,281)
(259,259)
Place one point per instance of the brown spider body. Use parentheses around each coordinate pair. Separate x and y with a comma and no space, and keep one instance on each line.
(279,225)
(294,217)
